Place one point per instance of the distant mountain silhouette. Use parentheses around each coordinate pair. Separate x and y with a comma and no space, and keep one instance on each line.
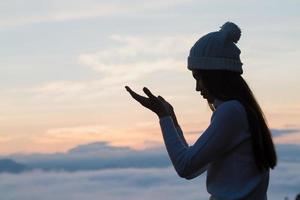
(97,148)
(96,156)
(10,166)
(102,155)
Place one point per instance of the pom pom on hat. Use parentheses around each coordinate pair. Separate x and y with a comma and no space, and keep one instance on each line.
(231,32)
(217,50)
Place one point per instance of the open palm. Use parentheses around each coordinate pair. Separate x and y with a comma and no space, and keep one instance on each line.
(153,103)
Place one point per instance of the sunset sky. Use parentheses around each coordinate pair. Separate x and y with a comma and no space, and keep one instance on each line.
(64,65)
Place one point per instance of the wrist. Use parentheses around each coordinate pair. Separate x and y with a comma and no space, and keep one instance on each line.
(174,118)
(163,114)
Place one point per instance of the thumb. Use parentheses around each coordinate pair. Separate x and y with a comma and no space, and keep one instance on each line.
(165,102)
(148,92)
(161,98)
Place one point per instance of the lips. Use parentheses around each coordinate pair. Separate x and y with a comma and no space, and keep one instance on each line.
(203,95)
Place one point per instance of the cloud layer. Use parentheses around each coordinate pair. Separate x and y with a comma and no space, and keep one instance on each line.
(95,156)
(100,155)
(133,184)
(98,170)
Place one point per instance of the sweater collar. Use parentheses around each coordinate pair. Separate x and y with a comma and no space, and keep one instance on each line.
(217,102)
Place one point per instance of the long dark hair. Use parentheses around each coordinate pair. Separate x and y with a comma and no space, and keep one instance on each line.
(228,85)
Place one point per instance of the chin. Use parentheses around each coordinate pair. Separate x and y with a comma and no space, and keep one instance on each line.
(210,101)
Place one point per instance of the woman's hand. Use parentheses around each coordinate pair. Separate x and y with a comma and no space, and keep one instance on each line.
(156,104)
(170,109)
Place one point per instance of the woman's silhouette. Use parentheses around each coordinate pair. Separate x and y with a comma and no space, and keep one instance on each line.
(237,148)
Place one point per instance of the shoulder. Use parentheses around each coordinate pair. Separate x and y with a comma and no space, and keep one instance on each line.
(234,106)
(231,111)
(231,105)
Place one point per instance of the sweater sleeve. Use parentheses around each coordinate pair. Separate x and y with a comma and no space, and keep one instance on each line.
(223,134)
(199,171)
(180,133)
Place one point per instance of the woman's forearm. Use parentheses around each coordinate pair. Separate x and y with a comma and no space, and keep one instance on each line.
(179,130)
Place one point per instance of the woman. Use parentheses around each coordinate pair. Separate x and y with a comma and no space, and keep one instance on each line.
(236,149)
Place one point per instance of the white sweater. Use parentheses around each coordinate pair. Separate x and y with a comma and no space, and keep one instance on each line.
(224,150)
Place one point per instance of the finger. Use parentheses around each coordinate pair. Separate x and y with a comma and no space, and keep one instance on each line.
(135,95)
(161,98)
(127,88)
(148,93)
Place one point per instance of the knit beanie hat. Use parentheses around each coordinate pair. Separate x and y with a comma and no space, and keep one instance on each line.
(217,50)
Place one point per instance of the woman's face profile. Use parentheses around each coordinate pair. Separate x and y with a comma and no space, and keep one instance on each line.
(202,89)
